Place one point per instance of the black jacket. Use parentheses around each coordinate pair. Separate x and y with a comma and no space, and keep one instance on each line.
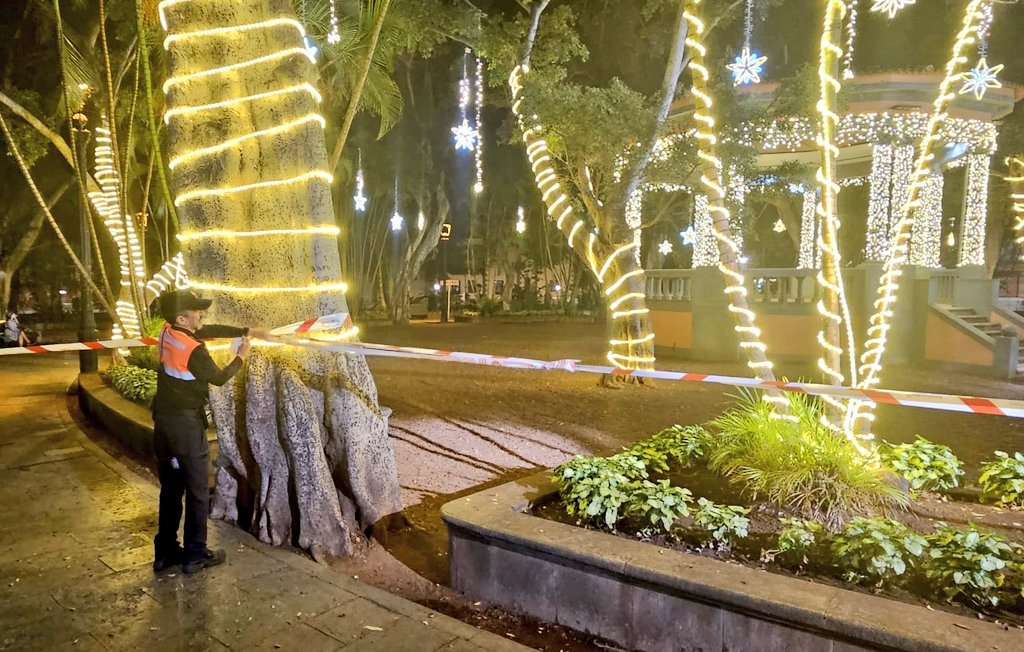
(177,395)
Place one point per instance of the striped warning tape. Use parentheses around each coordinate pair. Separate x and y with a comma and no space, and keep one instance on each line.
(947,402)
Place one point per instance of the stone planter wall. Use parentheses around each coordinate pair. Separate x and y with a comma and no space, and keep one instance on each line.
(643,597)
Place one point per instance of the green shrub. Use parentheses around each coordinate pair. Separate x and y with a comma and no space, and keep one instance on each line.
(134,383)
(795,539)
(598,487)
(972,565)
(659,504)
(685,444)
(147,357)
(876,549)
(799,463)
(490,306)
(927,466)
(1002,479)
(652,453)
(723,524)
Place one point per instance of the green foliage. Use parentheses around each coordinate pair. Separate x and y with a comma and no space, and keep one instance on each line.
(598,487)
(972,565)
(659,504)
(722,523)
(682,444)
(876,549)
(927,466)
(798,535)
(147,357)
(1002,479)
(132,382)
(800,464)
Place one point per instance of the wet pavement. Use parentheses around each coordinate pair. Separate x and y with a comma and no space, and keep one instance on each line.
(75,555)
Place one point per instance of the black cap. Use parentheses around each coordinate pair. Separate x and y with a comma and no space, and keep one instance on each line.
(175,302)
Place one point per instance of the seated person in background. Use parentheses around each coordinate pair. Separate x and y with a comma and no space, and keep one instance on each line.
(13,335)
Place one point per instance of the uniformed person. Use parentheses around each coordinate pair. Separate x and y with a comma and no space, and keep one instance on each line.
(179,417)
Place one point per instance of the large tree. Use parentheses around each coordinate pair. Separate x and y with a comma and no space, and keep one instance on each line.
(305,454)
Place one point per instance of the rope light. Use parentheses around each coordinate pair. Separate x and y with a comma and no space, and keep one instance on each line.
(221,233)
(1017,196)
(235,289)
(861,413)
(711,175)
(283,54)
(228,144)
(171,274)
(216,192)
(559,208)
(233,30)
(832,305)
(185,110)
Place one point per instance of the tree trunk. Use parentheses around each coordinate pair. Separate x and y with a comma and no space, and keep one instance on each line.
(9,266)
(304,451)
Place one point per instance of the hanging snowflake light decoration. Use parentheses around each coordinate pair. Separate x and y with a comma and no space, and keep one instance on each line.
(397,221)
(665,248)
(521,221)
(891,7)
(465,136)
(980,78)
(360,199)
(689,236)
(779,226)
(747,68)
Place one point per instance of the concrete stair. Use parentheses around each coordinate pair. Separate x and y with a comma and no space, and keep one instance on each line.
(983,325)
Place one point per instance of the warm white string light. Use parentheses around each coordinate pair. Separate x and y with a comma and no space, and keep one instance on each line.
(360,199)
(233,30)
(478,154)
(876,243)
(926,232)
(334,36)
(702,234)
(520,220)
(1016,181)
(861,412)
(171,275)
(313,175)
(397,221)
(223,233)
(560,209)
(851,36)
(231,143)
(282,54)
(298,88)
(972,239)
(808,231)
(236,289)
(711,178)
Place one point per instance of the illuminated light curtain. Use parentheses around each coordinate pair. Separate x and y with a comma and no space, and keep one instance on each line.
(634,216)
(902,176)
(705,250)
(926,232)
(737,190)
(810,254)
(972,234)
(876,245)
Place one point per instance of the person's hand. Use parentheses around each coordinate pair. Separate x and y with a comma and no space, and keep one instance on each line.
(243,348)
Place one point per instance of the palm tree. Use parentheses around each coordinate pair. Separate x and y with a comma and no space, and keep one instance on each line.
(251,176)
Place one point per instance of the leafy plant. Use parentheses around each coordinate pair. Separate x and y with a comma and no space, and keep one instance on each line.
(972,565)
(722,523)
(592,487)
(1002,479)
(147,357)
(685,444)
(653,454)
(799,463)
(659,503)
(796,538)
(927,466)
(134,383)
(877,549)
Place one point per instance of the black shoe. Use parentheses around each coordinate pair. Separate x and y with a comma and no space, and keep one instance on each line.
(209,559)
(163,562)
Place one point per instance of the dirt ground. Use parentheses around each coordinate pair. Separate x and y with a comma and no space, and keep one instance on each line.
(459,428)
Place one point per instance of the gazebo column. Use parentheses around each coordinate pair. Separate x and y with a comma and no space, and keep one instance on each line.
(975,213)
(926,231)
(902,173)
(879,191)
(705,247)
(810,254)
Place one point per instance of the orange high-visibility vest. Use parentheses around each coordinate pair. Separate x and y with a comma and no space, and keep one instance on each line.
(175,350)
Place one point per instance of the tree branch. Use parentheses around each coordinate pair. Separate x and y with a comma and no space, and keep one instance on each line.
(669,83)
(531,36)
(31,232)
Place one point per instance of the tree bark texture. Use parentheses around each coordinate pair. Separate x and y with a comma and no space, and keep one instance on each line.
(421,246)
(304,451)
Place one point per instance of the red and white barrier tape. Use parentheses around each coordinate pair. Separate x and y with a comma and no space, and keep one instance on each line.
(947,402)
(290,334)
(327,322)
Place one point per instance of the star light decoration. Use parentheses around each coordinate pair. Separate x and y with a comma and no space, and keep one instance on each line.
(465,136)
(891,7)
(665,248)
(779,226)
(359,199)
(521,221)
(980,78)
(689,236)
(747,67)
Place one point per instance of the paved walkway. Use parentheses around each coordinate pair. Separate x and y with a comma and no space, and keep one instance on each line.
(75,554)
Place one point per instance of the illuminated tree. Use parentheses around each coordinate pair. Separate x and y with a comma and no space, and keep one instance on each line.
(253,193)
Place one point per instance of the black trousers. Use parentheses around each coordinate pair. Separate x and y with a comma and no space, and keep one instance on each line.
(182,454)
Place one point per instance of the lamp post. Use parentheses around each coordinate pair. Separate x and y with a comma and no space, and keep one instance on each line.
(88,361)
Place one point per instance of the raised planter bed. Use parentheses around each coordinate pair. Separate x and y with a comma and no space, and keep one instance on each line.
(653,599)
